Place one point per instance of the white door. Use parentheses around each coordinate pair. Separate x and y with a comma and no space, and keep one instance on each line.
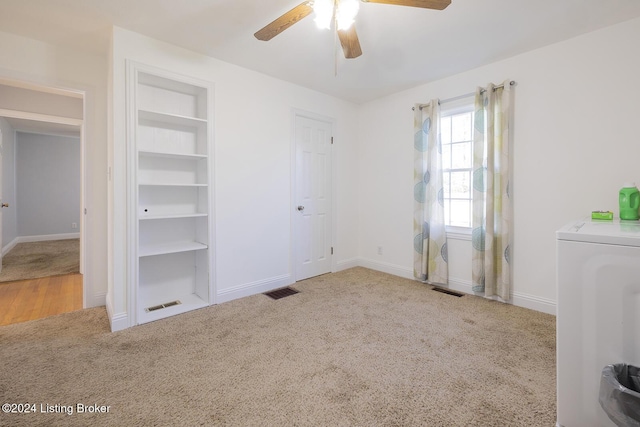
(312,209)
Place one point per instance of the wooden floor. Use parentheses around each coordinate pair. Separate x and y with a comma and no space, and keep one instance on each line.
(38,298)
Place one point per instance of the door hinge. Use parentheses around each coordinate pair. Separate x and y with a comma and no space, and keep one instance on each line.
(331,140)
(331,250)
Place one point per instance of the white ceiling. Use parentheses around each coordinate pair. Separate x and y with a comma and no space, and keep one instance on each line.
(402,46)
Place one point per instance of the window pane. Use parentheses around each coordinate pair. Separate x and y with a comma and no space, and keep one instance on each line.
(457,161)
(446,179)
(445,130)
(461,127)
(461,155)
(460,213)
(460,187)
(446,156)
(447,211)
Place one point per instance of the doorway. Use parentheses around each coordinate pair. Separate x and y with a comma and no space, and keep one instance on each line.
(45,119)
(313,201)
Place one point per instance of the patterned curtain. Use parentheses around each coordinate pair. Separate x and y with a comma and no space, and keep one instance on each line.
(492,222)
(430,239)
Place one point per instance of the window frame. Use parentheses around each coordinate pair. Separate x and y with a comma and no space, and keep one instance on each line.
(459,106)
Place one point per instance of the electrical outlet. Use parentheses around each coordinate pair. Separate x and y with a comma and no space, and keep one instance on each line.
(379,250)
(74,225)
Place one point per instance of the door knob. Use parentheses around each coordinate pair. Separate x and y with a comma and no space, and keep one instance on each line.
(5,205)
(300,208)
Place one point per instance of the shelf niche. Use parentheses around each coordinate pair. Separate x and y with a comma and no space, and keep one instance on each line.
(172,143)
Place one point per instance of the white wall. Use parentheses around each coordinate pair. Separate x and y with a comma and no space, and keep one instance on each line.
(253,123)
(576,143)
(47,184)
(34,101)
(9,217)
(41,63)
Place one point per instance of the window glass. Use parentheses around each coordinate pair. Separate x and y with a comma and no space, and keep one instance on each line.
(457,162)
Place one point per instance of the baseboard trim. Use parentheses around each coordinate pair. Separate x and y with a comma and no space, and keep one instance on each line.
(535,303)
(532,302)
(386,267)
(97,300)
(346,264)
(6,248)
(118,321)
(45,237)
(258,287)
(40,238)
(518,299)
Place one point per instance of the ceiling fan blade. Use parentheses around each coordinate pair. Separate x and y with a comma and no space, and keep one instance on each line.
(285,21)
(427,4)
(350,43)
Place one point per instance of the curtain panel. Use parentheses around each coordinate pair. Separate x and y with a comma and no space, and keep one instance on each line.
(492,212)
(430,239)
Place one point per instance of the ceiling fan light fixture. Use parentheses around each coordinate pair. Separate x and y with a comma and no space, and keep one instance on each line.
(323,10)
(346,13)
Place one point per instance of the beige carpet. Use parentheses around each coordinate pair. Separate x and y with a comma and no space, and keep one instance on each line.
(355,348)
(31,260)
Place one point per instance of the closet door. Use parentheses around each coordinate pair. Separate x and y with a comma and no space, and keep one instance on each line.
(170,172)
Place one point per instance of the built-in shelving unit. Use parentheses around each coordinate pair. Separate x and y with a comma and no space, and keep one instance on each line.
(171,167)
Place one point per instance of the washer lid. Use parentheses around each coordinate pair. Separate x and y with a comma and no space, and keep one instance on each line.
(616,232)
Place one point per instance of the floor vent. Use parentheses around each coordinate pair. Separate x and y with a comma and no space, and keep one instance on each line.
(281,293)
(448,292)
(161,306)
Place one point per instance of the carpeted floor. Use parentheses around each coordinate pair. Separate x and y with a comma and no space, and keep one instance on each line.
(31,260)
(355,348)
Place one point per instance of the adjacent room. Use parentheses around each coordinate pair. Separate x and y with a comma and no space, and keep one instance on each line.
(396,171)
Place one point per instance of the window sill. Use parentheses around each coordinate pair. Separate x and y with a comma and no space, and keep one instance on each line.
(459,233)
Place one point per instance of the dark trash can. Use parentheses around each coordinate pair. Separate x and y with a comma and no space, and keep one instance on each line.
(620,394)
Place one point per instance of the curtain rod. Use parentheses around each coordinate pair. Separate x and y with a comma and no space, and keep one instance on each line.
(466,95)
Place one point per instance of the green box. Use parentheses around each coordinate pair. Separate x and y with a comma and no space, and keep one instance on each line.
(605,215)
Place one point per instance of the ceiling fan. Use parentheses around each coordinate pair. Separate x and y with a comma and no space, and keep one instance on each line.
(343,13)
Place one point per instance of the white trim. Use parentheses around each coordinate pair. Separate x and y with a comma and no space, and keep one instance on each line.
(41,238)
(458,105)
(98,300)
(117,321)
(46,237)
(518,299)
(385,267)
(346,264)
(6,248)
(253,288)
(16,114)
(532,302)
(41,88)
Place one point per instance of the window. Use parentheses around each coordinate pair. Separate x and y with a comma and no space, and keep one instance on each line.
(457,164)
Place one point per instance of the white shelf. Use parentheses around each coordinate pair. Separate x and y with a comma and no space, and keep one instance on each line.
(171,248)
(171,216)
(173,119)
(172,155)
(170,151)
(188,302)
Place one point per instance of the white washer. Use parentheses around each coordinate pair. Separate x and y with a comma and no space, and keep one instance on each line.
(598,312)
